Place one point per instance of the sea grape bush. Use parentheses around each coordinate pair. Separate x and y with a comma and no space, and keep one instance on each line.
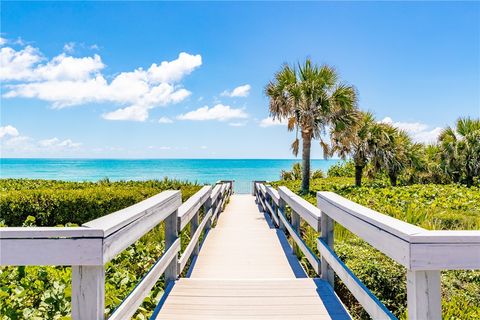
(342,169)
(44,292)
(431,206)
(59,202)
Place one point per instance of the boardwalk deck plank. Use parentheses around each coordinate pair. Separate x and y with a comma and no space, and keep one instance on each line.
(245,270)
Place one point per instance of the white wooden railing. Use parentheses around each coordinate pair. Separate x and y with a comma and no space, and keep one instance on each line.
(424,253)
(89,247)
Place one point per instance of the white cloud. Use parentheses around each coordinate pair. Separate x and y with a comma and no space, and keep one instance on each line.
(2,41)
(8,131)
(203,147)
(270,122)
(420,132)
(241,91)
(69,47)
(159,148)
(238,124)
(67,81)
(175,70)
(12,141)
(18,65)
(18,143)
(57,143)
(19,41)
(165,120)
(218,112)
(135,113)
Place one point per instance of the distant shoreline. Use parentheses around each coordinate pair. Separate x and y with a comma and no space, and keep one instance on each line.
(46,158)
(243,171)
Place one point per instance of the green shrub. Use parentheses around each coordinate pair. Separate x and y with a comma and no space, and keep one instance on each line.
(44,292)
(342,169)
(58,202)
(430,206)
(317,174)
(296,173)
(385,278)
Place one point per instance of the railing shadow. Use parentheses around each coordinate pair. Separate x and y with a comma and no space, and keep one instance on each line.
(194,259)
(330,300)
(160,304)
(297,268)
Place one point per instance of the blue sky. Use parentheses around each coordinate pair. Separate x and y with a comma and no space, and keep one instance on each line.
(87,79)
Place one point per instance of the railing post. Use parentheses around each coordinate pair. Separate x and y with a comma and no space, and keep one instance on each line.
(424,295)
(171,234)
(281,210)
(326,234)
(193,227)
(266,199)
(88,292)
(206,207)
(295,219)
(275,212)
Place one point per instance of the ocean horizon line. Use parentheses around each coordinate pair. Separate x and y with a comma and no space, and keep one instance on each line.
(80,158)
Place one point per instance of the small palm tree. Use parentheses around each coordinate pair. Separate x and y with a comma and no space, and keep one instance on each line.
(310,97)
(460,148)
(392,150)
(356,142)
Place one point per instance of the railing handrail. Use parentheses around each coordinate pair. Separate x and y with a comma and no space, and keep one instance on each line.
(305,209)
(168,201)
(89,247)
(413,247)
(188,209)
(423,252)
(329,201)
(49,232)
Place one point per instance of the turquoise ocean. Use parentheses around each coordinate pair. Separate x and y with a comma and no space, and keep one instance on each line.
(243,171)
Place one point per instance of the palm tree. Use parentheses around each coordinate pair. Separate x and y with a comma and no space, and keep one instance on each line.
(356,142)
(310,97)
(392,150)
(426,167)
(460,148)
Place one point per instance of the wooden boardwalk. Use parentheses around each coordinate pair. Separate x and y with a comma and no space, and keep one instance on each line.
(246,270)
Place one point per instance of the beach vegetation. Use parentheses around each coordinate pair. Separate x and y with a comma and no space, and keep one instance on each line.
(44,292)
(296,173)
(431,206)
(356,143)
(460,150)
(310,98)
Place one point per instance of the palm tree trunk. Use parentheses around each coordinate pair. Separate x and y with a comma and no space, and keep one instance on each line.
(358,175)
(469,179)
(307,141)
(393,179)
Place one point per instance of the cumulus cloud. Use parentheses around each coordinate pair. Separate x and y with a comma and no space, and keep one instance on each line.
(175,70)
(238,124)
(67,81)
(14,142)
(2,41)
(18,65)
(57,143)
(165,120)
(241,91)
(69,47)
(218,112)
(420,132)
(270,122)
(8,130)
